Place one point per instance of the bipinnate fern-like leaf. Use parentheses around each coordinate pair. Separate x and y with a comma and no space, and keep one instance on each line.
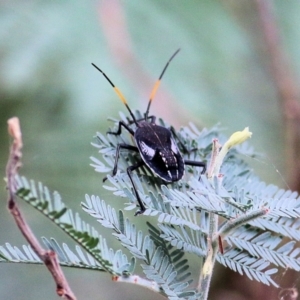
(252,267)
(240,193)
(192,241)
(77,258)
(160,263)
(176,256)
(52,207)
(259,223)
(161,271)
(267,245)
(124,230)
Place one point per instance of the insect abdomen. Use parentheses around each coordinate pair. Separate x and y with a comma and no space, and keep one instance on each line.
(171,166)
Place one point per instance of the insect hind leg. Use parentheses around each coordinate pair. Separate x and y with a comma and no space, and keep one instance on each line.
(183,146)
(196,164)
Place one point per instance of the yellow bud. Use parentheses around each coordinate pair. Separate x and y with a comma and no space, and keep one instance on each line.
(237,138)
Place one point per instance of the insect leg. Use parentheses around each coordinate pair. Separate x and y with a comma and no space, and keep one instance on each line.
(196,164)
(180,141)
(189,162)
(118,132)
(151,118)
(119,147)
(129,172)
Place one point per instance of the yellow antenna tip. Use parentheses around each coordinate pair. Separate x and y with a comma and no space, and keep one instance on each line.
(157,83)
(120,95)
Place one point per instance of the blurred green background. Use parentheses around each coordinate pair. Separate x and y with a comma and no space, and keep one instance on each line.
(221,75)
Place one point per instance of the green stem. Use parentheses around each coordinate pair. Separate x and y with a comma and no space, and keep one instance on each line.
(208,266)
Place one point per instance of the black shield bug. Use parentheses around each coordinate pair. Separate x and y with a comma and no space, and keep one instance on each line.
(154,143)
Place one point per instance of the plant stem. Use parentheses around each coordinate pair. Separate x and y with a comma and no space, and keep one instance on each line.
(207,269)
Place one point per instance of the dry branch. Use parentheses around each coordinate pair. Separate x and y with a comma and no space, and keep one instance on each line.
(49,257)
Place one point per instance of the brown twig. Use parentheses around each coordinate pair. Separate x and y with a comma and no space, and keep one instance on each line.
(287,87)
(49,257)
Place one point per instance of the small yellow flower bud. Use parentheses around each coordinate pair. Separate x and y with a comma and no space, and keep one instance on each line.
(237,138)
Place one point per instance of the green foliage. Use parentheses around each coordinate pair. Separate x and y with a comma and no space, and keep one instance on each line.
(259,230)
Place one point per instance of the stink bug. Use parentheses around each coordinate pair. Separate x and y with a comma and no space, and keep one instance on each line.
(154,143)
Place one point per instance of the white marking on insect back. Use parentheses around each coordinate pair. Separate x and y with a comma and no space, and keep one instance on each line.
(146,150)
(164,159)
(174,147)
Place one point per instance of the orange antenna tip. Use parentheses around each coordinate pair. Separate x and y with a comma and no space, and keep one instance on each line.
(121,96)
(158,83)
(153,93)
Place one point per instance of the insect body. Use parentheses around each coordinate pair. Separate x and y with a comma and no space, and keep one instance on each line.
(154,143)
(159,151)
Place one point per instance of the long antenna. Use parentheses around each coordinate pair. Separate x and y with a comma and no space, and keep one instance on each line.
(157,83)
(120,95)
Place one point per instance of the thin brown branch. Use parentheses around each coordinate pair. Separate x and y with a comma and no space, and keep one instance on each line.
(49,257)
(287,87)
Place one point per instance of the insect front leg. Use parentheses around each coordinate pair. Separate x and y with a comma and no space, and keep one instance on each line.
(129,172)
(151,118)
(119,131)
(119,147)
